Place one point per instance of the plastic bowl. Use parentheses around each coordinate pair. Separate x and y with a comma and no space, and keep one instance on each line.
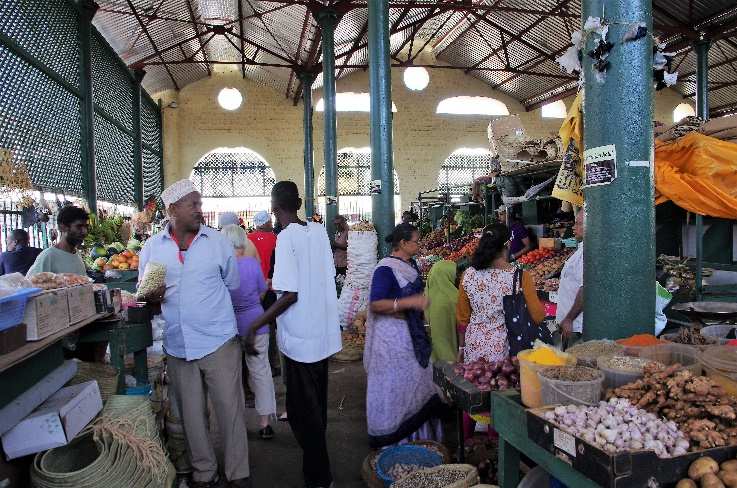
(668,354)
(406,454)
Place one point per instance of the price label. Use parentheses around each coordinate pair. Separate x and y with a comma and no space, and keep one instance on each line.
(564,441)
(553,296)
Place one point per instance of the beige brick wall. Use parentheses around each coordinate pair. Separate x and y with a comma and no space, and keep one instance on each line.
(271,125)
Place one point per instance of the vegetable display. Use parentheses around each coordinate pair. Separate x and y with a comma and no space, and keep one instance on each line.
(542,263)
(487,376)
(52,281)
(703,410)
(618,426)
(710,474)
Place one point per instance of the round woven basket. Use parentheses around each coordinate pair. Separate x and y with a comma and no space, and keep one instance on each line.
(105,375)
(368,469)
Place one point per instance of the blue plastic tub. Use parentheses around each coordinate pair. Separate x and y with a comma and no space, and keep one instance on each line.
(12,307)
(406,454)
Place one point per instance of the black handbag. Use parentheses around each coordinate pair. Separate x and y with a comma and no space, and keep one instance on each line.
(521,330)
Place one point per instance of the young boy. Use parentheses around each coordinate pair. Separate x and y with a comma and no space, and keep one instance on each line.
(308,331)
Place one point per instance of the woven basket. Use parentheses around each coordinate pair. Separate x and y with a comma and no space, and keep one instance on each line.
(106,376)
(470,477)
(135,408)
(368,469)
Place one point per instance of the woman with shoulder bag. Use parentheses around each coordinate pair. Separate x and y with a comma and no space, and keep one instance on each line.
(480,313)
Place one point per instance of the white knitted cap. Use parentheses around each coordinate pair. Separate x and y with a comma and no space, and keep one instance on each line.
(177,191)
(261,218)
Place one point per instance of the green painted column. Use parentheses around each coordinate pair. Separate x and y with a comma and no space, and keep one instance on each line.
(702,110)
(619,256)
(380,84)
(87,9)
(328,19)
(137,150)
(307,80)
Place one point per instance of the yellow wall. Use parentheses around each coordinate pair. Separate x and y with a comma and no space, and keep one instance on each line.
(271,125)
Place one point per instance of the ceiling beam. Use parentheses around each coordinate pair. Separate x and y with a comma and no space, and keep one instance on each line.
(714,87)
(157,53)
(429,39)
(297,55)
(153,44)
(243,48)
(197,31)
(416,26)
(312,54)
(263,23)
(456,6)
(529,64)
(553,98)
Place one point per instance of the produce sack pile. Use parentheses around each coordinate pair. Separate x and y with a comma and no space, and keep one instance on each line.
(362,260)
(701,408)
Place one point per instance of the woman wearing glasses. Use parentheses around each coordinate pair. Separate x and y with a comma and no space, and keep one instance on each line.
(401,400)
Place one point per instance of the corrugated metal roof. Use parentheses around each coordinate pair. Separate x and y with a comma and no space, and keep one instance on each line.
(284,37)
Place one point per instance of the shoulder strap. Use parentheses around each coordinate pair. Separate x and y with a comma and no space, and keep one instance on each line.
(517,279)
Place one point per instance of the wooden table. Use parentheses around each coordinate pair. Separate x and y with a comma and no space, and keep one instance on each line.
(24,367)
(510,421)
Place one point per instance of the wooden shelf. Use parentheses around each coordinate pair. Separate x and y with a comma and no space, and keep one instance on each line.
(13,358)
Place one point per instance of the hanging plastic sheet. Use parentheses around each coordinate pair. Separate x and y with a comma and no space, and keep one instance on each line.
(699,174)
(570,177)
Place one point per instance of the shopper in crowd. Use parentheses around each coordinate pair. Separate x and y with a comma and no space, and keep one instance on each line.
(340,245)
(519,242)
(228,218)
(441,314)
(308,330)
(408,217)
(482,330)
(62,257)
(247,305)
(264,238)
(20,256)
(401,400)
(203,354)
(569,314)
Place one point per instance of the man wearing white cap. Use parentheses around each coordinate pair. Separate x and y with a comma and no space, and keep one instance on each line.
(203,354)
(264,239)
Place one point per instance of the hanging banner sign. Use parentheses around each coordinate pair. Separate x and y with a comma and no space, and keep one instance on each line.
(375,188)
(600,165)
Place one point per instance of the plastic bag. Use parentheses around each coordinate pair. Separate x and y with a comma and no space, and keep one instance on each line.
(13,282)
(662,299)
(47,281)
(154,277)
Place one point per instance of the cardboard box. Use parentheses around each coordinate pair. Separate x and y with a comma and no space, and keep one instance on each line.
(81,303)
(46,314)
(56,422)
(549,243)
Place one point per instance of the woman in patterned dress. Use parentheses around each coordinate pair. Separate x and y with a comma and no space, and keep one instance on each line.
(482,332)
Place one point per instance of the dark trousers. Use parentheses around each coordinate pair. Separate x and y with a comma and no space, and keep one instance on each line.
(307,410)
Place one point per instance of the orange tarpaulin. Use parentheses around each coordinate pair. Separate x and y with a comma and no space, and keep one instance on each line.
(699,173)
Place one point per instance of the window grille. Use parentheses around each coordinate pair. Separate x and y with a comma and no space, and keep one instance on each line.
(233,174)
(354,175)
(462,167)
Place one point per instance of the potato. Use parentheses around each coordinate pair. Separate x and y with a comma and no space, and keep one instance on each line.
(729,478)
(710,480)
(730,465)
(702,466)
(686,483)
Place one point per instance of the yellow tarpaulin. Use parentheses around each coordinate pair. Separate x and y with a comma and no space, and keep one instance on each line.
(697,172)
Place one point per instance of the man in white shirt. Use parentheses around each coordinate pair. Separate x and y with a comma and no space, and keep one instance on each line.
(308,331)
(570,291)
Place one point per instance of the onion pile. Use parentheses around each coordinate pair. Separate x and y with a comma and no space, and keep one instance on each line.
(487,376)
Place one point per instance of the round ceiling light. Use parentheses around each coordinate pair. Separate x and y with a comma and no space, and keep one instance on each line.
(230,98)
(416,78)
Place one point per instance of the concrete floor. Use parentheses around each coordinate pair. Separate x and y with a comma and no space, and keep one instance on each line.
(278,463)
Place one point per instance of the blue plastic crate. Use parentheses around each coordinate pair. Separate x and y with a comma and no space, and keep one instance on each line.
(406,454)
(12,307)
